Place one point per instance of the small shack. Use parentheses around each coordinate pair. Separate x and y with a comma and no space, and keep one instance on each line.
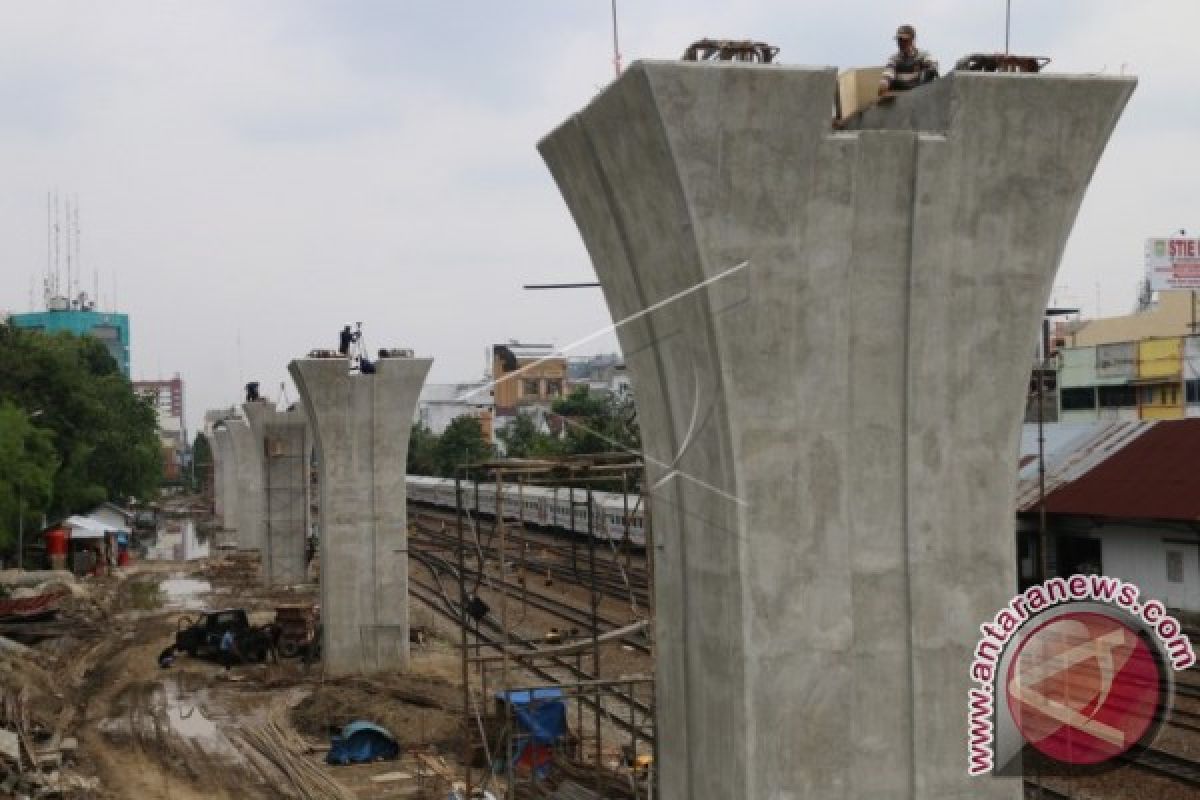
(91,546)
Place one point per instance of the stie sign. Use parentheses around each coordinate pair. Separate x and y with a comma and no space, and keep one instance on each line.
(1173,263)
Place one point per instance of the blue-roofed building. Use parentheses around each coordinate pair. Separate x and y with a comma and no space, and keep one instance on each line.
(109,327)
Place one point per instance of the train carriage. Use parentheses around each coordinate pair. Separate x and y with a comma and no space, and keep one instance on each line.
(614,518)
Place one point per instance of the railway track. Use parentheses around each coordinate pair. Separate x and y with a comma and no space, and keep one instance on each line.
(1185,720)
(440,601)
(560,543)
(549,538)
(1177,768)
(1034,791)
(606,586)
(613,580)
(1187,689)
(570,614)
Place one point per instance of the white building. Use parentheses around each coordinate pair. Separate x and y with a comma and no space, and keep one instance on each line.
(605,374)
(1122,499)
(439,404)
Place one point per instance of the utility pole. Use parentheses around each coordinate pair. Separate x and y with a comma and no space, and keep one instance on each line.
(1043,532)
(1007,23)
(20,528)
(616,43)
(1043,535)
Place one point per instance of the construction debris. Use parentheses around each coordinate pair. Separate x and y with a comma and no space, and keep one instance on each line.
(567,781)
(730,50)
(235,566)
(34,577)
(280,756)
(1000,62)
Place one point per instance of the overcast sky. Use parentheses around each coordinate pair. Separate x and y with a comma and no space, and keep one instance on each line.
(252,174)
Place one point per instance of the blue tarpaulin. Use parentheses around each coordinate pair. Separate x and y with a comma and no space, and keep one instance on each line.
(545,721)
(361,742)
(541,718)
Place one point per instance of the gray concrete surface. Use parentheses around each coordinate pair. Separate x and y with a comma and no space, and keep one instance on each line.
(280,443)
(842,412)
(218,439)
(225,476)
(248,475)
(361,425)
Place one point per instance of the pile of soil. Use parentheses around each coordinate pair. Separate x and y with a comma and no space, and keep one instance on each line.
(418,711)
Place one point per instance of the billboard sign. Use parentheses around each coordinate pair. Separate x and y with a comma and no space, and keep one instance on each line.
(1173,263)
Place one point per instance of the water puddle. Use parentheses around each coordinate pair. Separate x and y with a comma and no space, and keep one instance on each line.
(186,719)
(184,593)
(171,717)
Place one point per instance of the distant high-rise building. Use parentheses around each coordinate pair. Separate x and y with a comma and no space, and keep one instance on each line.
(109,327)
(167,399)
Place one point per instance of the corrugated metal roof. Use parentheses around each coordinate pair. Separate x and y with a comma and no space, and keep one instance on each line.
(1071,451)
(1153,475)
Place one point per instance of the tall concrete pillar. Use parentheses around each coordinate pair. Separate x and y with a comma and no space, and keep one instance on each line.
(248,471)
(225,476)
(831,428)
(361,425)
(280,442)
(217,455)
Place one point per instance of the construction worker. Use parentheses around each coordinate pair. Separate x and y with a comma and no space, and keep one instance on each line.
(346,338)
(228,648)
(909,67)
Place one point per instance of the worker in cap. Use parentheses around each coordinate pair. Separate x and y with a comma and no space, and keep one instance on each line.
(909,67)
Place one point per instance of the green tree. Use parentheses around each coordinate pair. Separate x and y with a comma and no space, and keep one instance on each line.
(105,437)
(522,439)
(201,461)
(27,466)
(462,442)
(598,423)
(422,451)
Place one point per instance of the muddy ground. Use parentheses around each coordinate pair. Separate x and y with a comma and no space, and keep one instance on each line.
(142,731)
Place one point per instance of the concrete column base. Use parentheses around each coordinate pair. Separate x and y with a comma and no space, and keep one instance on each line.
(830,422)
(361,425)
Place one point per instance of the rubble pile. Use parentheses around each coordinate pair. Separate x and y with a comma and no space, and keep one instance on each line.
(235,566)
(47,638)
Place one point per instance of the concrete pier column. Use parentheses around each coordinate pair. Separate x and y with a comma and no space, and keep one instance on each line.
(225,476)
(248,474)
(218,454)
(830,422)
(281,441)
(361,425)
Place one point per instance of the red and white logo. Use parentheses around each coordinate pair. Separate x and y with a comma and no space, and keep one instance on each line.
(1078,671)
(1084,688)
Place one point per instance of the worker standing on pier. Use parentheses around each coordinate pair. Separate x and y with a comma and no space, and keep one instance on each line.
(909,67)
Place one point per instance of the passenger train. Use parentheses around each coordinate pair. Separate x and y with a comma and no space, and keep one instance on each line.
(544,506)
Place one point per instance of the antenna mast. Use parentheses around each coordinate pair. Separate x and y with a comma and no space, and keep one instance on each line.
(67,204)
(57,244)
(78,261)
(49,253)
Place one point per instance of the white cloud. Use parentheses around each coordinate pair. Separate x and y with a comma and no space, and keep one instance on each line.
(269,171)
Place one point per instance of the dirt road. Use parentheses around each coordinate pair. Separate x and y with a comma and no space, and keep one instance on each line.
(196,730)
